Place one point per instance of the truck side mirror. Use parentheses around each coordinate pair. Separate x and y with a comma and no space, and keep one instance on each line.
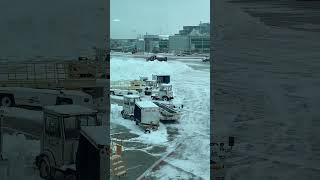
(231,141)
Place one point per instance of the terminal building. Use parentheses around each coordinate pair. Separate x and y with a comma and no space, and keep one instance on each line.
(191,39)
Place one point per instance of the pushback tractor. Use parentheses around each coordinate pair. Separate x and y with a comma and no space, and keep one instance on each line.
(70,133)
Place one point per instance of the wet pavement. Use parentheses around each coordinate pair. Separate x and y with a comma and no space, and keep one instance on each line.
(138,156)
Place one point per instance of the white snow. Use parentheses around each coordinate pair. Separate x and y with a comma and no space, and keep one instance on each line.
(168,172)
(190,88)
(146,104)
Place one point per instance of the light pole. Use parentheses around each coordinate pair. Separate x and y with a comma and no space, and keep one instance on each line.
(4,164)
(1,133)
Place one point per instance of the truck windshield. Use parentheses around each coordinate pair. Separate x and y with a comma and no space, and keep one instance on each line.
(52,126)
(71,127)
(126,101)
(72,124)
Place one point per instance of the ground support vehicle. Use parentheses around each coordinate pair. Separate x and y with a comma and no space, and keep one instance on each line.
(146,115)
(129,102)
(67,130)
(21,96)
(163,93)
(168,113)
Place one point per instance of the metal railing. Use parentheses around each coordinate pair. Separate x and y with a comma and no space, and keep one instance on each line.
(33,71)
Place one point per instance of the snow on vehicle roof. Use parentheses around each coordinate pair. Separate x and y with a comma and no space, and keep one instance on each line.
(131,96)
(70,109)
(48,91)
(166,85)
(24,114)
(146,104)
(161,75)
(98,134)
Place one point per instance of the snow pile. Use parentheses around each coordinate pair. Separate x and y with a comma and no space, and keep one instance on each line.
(122,68)
(171,173)
(194,158)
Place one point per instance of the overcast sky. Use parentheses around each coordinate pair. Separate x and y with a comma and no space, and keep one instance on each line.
(129,18)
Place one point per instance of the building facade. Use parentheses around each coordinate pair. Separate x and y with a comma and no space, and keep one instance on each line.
(124,45)
(191,39)
(200,44)
(179,43)
(151,43)
(140,45)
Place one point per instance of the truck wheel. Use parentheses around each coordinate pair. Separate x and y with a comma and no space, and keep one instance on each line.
(147,131)
(46,172)
(137,123)
(165,98)
(6,101)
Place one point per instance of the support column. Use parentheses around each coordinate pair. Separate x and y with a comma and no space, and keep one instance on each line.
(4,164)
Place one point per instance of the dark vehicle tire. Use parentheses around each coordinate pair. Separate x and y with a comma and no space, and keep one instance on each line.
(147,131)
(45,170)
(122,112)
(6,100)
(165,98)
(137,123)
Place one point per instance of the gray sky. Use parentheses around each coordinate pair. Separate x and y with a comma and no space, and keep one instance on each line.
(128,18)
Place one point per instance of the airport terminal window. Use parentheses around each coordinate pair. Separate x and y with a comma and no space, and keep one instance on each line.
(52,126)
(71,127)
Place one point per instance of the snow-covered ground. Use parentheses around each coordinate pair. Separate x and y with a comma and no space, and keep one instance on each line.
(191,88)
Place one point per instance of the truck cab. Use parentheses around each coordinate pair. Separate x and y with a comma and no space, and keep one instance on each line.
(161,79)
(149,86)
(164,93)
(60,137)
(129,102)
